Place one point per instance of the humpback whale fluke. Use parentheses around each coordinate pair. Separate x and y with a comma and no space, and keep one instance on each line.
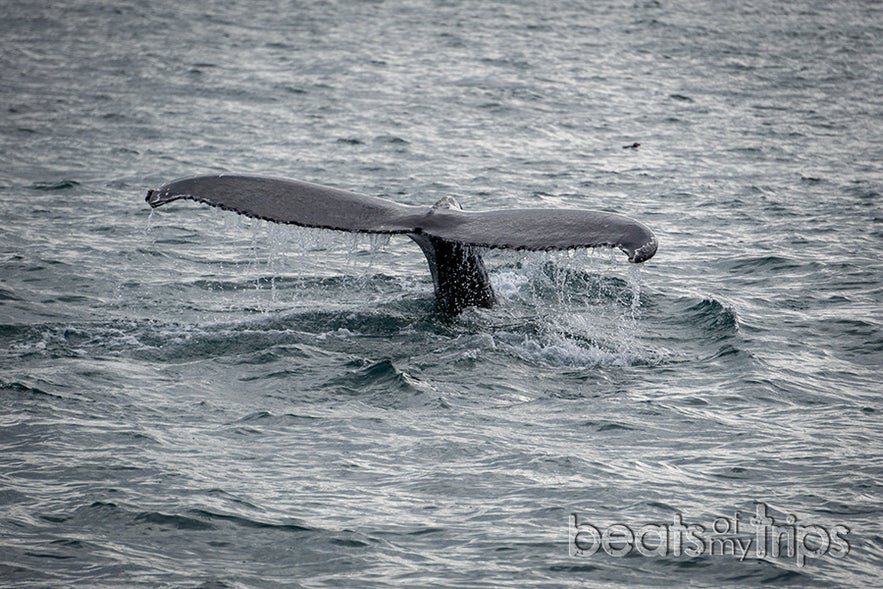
(446,233)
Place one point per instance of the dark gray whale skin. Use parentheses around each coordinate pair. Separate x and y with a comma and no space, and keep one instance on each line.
(448,235)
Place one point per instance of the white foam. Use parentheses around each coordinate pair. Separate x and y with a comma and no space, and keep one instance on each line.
(583,308)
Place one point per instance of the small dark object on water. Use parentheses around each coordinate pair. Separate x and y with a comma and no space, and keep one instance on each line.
(634,145)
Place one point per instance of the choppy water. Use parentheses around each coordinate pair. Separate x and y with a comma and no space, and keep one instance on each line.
(194,400)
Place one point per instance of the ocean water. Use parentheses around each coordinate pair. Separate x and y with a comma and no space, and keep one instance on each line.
(193,399)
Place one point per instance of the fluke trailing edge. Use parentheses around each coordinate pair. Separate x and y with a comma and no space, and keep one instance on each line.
(446,233)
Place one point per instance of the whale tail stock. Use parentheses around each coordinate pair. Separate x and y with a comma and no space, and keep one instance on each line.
(447,235)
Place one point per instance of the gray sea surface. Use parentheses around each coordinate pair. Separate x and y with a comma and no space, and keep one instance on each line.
(189,398)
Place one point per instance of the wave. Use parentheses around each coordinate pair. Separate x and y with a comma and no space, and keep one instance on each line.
(191,519)
(717,319)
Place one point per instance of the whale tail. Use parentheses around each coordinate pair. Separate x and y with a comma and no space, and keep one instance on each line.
(447,235)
